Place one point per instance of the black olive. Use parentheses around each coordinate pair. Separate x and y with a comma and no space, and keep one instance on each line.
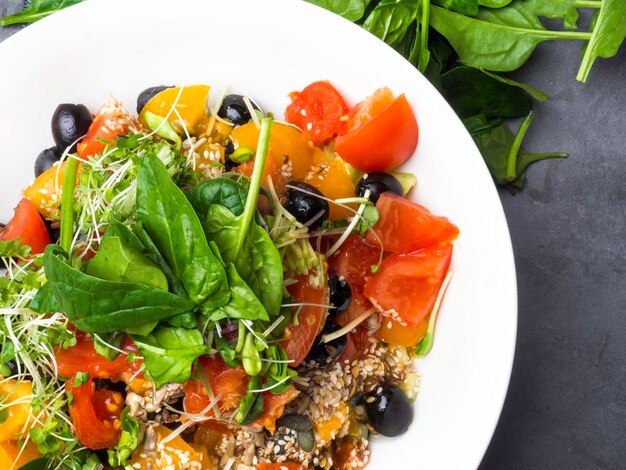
(325,352)
(235,110)
(148,94)
(378,183)
(389,411)
(69,123)
(54,230)
(228,151)
(12,365)
(340,295)
(306,207)
(46,159)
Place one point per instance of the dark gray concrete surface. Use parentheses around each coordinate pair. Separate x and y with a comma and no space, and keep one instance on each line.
(566,406)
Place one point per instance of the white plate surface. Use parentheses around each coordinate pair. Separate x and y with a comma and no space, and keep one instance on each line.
(266,49)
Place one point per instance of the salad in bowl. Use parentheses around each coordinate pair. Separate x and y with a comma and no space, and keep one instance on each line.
(195,288)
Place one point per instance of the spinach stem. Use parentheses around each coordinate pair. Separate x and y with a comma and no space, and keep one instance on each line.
(67,203)
(511,163)
(424,52)
(588,4)
(255,182)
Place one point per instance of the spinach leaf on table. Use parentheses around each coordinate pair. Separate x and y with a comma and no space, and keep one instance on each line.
(495,40)
(351,10)
(496,142)
(169,219)
(465,7)
(36,10)
(259,262)
(527,13)
(100,306)
(608,34)
(391,19)
(223,191)
(471,91)
(169,353)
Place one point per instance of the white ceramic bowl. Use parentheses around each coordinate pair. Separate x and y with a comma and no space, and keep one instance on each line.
(266,49)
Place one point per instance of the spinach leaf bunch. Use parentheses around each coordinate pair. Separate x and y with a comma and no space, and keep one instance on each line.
(462,46)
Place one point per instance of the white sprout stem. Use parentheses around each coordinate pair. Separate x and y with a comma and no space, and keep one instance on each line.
(191,422)
(350,326)
(252,112)
(277,384)
(440,295)
(273,326)
(349,229)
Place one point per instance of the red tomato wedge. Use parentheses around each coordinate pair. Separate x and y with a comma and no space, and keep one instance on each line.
(404,226)
(82,357)
(381,141)
(299,338)
(354,261)
(406,286)
(318,110)
(111,121)
(95,415)
(28,226)
(229,383)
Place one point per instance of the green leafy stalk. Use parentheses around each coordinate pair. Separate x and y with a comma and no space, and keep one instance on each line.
(67,204)
(609,32)
(511,165)
(36,10)
(255,182)
(424,57)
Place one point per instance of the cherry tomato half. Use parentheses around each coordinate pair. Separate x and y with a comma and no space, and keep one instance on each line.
(406,285)
(27,225)
(318,110)
(383,141)
(404,226)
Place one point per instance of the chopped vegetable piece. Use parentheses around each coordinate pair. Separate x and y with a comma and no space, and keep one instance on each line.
(27,226)
(406,286)
(317,110)
(405,226)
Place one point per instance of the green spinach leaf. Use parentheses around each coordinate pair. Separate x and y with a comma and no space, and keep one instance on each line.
(259,263)
(243,304)
(170,221)
(465,7)
(494,3)
(223,191)
(471,91)
(100,306)
(169,353)
(350,9)
(495,41)
(390,19)
(36,10)
(609,32)
(496,141)
(526,13)
(117,260)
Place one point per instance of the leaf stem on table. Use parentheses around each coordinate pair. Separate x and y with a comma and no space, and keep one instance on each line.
(511,164)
